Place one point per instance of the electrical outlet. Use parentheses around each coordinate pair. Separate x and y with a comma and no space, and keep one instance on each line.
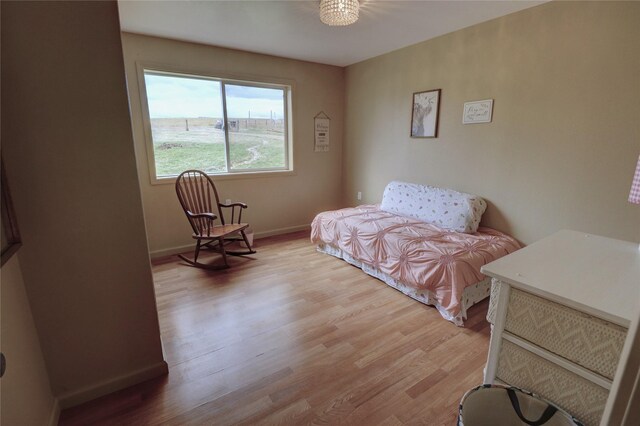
(359,195)
(227,201)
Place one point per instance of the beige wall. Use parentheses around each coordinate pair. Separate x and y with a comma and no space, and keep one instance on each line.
(565,136)
(25,394)
(69,156)
(275,203)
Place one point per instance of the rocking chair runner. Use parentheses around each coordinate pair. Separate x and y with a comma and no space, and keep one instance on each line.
(197,193)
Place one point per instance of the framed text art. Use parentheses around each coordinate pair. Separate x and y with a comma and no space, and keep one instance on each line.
(477,112)
(424,116)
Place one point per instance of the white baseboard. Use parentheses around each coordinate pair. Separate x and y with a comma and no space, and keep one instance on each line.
(54,417)
(77,397)
(181,249)
(281,231)
(171,251)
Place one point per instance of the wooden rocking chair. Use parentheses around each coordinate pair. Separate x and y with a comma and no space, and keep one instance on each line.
(197,195)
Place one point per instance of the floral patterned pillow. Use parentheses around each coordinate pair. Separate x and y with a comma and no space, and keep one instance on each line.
(445,208)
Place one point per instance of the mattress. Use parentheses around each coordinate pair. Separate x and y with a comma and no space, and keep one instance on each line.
(435,264)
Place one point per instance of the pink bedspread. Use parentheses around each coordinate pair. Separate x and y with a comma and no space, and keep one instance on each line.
(413,252)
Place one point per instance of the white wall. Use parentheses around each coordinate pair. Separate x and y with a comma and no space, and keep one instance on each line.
(69,157)
(565,137)
(277,203)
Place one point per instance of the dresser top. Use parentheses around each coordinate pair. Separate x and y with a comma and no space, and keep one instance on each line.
(597,275)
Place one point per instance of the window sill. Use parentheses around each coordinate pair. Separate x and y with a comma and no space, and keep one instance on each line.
(229,176)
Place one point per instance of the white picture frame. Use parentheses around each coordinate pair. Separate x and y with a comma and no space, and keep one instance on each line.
(477,112)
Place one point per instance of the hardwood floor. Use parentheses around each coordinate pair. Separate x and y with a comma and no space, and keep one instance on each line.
(293,336)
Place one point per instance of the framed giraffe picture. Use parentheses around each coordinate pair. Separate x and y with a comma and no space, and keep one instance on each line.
(424,116)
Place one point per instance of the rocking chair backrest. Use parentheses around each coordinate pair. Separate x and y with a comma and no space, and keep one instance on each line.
(197,194)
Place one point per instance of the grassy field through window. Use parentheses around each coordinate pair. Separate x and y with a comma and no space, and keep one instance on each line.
(198,143)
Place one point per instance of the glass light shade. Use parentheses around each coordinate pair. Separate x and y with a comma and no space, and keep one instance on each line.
(339,12)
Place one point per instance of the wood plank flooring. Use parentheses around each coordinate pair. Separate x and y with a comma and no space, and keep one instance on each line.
(293,336)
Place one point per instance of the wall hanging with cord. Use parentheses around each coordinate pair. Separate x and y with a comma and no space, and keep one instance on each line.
(321,125)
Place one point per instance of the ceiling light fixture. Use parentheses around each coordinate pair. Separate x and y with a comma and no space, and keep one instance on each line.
(339,12)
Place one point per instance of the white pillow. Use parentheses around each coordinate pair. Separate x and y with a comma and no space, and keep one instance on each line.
(445,208)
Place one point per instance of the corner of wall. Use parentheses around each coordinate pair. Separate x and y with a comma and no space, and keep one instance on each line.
(79,396)
(54,417)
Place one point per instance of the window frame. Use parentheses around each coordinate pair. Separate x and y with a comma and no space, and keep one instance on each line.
(287,86)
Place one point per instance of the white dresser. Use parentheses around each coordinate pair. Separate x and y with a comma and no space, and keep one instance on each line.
(560,310)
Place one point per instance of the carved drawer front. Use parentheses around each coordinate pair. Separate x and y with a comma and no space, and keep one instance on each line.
(521,368)
(587,341)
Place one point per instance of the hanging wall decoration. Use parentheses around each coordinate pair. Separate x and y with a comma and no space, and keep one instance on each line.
(321,125)
(477,112)
(424,117)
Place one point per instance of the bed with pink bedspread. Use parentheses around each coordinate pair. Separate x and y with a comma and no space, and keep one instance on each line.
(433,265)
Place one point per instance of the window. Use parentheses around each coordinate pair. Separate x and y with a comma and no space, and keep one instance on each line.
(215,125)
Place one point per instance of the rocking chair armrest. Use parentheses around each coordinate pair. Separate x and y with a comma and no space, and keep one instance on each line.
(210,216)
(236,204)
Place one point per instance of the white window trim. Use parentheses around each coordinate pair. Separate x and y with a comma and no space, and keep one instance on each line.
(258,81)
